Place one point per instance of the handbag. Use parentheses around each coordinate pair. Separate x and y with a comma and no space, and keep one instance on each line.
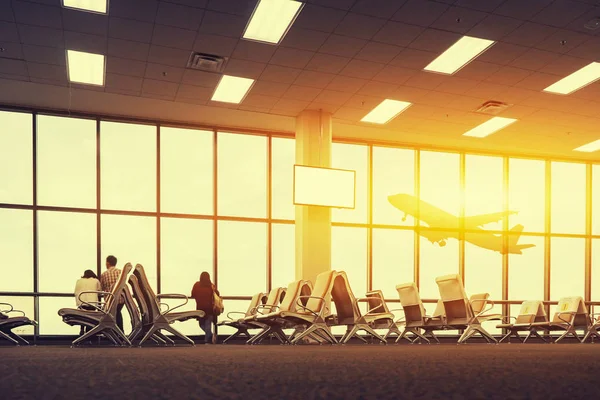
(218,307)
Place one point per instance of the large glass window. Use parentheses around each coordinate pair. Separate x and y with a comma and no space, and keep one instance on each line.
(568,198)
(19,303)
(242,175)
(16,247)
(186,171)
(128,166)
(567,267)
(393,173)
(527,193)
(439,189)
(484,193)
(596,200)
(67,247)
(349,254)
(51,323)
(596,271)
(483,266)
(436,260)
(526,270)
(66,161)
(242,257)
(283,254)
(393,260)
(283,158)
(131,239)
(356,158)
(186,249)
(16,148)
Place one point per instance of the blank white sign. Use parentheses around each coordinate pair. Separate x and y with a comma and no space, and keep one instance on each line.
(325,187)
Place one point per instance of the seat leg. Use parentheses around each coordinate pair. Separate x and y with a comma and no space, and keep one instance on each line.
(372,332)
(178,334)
(432,335)
(353,329)
(97,329)
(165,338)
(259,336)
(466,335)
(148,334)
(17,337)
(325,329)
(7,337)
(487,336)
(234,335)
(592,332)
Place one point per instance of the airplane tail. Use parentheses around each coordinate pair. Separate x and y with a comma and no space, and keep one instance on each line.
(513,247)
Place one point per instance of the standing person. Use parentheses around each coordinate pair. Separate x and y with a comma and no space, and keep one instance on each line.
(88,282)
(108,279)
(203,292)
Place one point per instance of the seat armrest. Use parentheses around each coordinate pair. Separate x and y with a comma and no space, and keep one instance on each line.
(317,315)
(172,296)
(261,306)
(234,312)
(373,311)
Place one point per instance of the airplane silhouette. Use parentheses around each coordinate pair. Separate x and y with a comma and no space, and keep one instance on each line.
(434,216)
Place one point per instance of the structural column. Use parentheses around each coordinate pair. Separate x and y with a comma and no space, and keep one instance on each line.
(313,224)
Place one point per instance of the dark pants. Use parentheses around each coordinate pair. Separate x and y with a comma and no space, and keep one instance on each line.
(84,328)
(120,316)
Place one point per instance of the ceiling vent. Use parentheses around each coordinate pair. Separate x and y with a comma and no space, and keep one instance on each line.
(593,24)
(492,107)
(207,62)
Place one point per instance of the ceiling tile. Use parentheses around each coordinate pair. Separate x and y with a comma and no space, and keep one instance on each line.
(215,44)
(314,79)
(458,19)
(244,68)
(44,55)
(377,8)
(425,80)
(123,82)
(253,51)
(563,41)
(341,4)
(195,92)
(159,87)
(6,13)
(305,93)
(324,107)
(362,69)
(378,52)
(277,111)
(398,34)
(588,50)
(45,71)
(359,26)
(40,36)
(529,34)
(515,95)
(128,49)
(350,114)
(420,12)
(538,81)
(142,10)
(14,51)
(170,36)
(518,111)
(164,97)
(434,40)
(84,42)
(129,29)
(508,76)
(564,65)
(561,12)
(503,53)
(274,89)
(534,59)
(200,78)
(438,99)
(123,66)
(14,67)
(163,73)
(523,10)
(243,8)
(43,81)
(191,3)
(494,27)
(477,70)
(363,102)
(318,18)
(244,107)
(467,103)
(374,88)
(168,56)
(414,59)
(305,39)
(456,85)
(8,32)
(259,100)
(115,90)
(327,63)
(94,24)
(485,6)
(291,105)
(346,84)
(276,73)
(37,14)
(223,24)
(342,46)
(179,16)
(294,58)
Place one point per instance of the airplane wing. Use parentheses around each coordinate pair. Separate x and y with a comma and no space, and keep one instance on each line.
(482,219)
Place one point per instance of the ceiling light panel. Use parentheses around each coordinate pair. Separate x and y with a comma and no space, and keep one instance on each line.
(386,111)
(96,6)
(465,50)
(271,20)
(86,68)
(232,89)
(489,127)
(590,147)
(578,79)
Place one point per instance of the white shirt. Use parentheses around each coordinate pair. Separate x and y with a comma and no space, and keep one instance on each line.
(84,285)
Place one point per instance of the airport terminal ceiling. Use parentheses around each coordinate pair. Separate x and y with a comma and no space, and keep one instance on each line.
(340,56)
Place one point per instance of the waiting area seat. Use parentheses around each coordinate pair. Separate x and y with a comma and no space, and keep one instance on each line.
(9,321)
(571,315)
(530,312)
(593,330)
(415,318)
(244,323)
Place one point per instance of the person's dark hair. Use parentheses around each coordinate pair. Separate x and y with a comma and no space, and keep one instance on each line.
(111,260)
(205,279)
(89,274)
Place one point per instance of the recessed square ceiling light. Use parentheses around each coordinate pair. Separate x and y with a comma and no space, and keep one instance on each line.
(459,54)
(386,111)
(271,20)
(590,147)
(489,127)
(87,68)
(232,89)
(578,79)
(96,6)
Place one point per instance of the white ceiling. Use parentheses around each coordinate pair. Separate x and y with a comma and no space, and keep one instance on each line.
(341,56)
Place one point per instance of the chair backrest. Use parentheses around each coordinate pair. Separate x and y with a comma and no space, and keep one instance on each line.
(148,294)
(478,302)
(531,311)
(132,308)
(346,307)
(439,311)
(293,291)
(574,305)
(376,302)
(273,300)
(414,312)
(140,299)
(112,302)
(254,302)
(321,291)
(456,304)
